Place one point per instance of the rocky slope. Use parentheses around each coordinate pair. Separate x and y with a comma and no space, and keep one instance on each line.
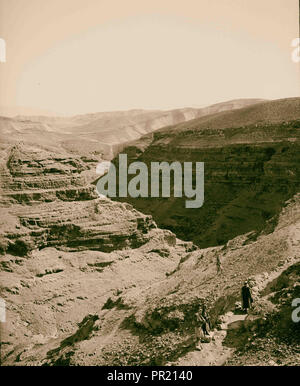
(251,158)
(64,251)
(138,306)
(274,340)
(90,281)
(47,200)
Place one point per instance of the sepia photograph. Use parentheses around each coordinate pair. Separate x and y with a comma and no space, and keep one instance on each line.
(149,186)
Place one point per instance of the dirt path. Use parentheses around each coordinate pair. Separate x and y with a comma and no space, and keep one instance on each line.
(212,353)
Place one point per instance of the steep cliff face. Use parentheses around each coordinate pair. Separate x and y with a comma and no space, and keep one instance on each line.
(65,253)
(90,281)
(250,170)
(138,306)
(30,174)
(47,200)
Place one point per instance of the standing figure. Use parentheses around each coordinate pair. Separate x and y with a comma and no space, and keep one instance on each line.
(199,334)
(219,265)
(246,297)
(202,329)
(206,326)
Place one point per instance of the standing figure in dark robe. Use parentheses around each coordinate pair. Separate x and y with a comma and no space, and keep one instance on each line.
(202,329)
(246,297)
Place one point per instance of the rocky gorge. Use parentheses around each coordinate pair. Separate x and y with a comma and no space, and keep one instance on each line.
(91,281)
(251,160)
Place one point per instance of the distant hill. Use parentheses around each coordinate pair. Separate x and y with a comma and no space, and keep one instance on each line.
(103,133)
(91,281)
(257,113)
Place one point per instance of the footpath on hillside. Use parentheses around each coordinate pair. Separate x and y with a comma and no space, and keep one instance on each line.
(217,351)
(213,353)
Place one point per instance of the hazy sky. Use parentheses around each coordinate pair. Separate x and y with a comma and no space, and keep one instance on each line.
(78,56)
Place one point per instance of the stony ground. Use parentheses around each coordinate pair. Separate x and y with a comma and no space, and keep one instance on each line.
(89,281)
(138,306)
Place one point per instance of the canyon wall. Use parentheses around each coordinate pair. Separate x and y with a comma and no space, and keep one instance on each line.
(250,170)
(91,281)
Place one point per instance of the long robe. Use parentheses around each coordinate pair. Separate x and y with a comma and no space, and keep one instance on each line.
(246,297)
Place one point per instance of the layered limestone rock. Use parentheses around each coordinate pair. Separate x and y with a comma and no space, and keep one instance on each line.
(134,307)
(88,281)
(64,256)
(30,174)
(95,224)
(61,207)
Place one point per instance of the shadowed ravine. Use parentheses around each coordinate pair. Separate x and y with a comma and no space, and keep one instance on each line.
(91,281)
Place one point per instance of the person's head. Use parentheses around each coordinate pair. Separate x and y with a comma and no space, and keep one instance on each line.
(246,284)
